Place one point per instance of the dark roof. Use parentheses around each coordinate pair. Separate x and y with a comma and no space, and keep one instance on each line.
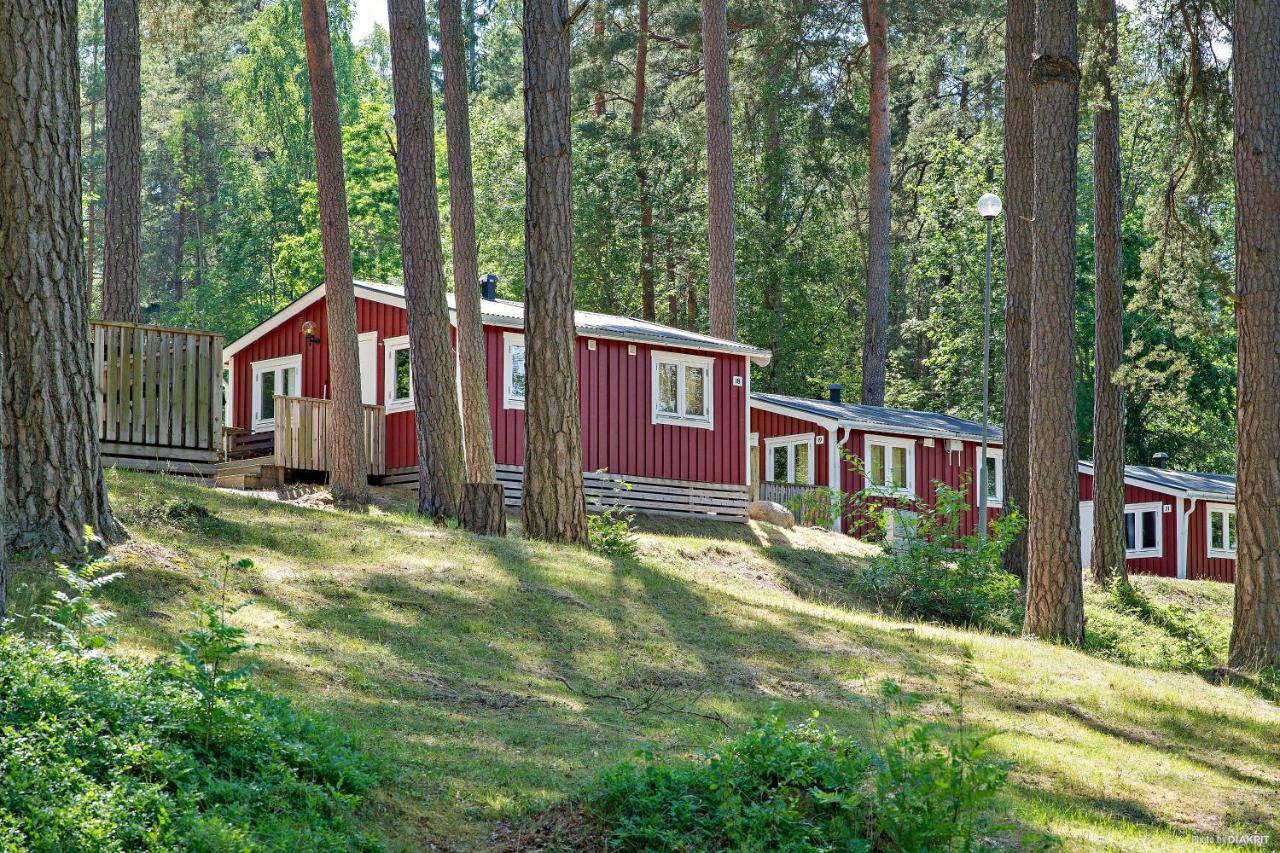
(883,418)
(1191,482)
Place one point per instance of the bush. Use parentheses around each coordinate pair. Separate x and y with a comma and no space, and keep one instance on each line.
(609,527)
(799,787)
(935,573)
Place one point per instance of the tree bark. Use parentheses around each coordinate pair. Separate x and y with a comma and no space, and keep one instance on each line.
(466,269)
(648,299)
(721,279)
(122,248)
(875,340)
(1019,186)
(1108,395)
(1055,597)
(430,351)
(554,500)
(349,464)
(48,416)
(483,510)
(91,239)
(1255,632)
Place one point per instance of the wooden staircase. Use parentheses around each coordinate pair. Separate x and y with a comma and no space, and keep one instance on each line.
(260,472)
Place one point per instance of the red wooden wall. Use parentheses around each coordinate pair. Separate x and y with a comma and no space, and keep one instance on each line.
(1166,565)
(1200,566)
(617,432)
(772,425)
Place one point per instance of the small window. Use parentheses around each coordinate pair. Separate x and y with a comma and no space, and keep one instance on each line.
(991,476)
(682,389)
(890,465)
(273,377)
(1222,531)
(513,371)
(397,366)
(789,459)
(1142,533)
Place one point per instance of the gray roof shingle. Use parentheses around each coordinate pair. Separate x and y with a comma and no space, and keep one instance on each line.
(881,417)
(1191,482)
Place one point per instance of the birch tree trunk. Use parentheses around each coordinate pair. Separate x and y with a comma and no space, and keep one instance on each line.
(1108,395)
(122,245)
(554,501)
(430,351)
(875,340)
(1255,633)
(466,269)
(1055,597)
(721,280)
(1019,186)
(348,463)
(53,484)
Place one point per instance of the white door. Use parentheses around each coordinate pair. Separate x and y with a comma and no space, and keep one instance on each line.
(369,368)
(1086,532)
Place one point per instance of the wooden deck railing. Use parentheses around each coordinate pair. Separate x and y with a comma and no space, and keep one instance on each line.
(302,437)
(812,505)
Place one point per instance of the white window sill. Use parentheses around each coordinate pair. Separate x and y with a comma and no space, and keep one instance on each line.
(677,421)
(264,426)
(399,406)
(1222,555)
(1142,555)
(993,504)
(513,404)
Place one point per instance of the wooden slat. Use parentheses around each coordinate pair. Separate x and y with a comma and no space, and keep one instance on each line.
(189,395)
(137,411)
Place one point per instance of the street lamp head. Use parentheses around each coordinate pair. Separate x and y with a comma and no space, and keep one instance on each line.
(989,206)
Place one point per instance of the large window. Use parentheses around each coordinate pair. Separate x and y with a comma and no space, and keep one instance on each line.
(271,377)
(1142,530)
(789,459)
(682,389)
(397,374)
(991,476)
(1222,531)
(890,464)
(513,382)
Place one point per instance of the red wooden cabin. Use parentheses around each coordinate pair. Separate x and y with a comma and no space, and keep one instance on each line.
(903,452)
(664,409)
(1178,524)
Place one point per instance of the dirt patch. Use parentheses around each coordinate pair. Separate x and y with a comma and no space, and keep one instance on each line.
(565,826)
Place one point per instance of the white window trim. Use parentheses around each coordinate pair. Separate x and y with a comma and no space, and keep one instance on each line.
(256,369)
(1143,553)
(391,346)
(800,440)
(890,441)
(997,454)
(510,339)
(1229,526)
(659,357)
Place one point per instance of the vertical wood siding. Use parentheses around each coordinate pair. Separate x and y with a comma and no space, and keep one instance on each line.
(1200,566)
(771,425)
(1166,565)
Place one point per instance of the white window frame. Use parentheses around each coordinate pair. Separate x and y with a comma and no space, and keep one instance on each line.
(980,472)
(510,339)
(1228,529)
(1143,553)
(660,357)
(889,442)
(793,442)
(256,370)
(390,347)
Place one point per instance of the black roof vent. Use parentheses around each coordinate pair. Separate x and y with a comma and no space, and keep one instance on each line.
(489,286)
(1160,460)
(833,392)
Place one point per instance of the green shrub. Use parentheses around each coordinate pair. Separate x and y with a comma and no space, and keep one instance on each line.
(937,574)
(1127,625)
(609,527)
(800,787)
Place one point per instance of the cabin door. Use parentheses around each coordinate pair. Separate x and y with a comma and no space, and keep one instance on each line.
(369,368)
(1086,533)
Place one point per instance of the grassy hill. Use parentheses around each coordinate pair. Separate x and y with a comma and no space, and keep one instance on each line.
(493,678)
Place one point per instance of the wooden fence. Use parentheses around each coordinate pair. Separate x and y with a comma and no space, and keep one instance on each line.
(812,505)
(302,435)
(159,395)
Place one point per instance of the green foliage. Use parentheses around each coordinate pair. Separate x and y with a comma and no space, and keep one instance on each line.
(801,787)
(936,573)
(1126,624)
(610,530)
(73,614)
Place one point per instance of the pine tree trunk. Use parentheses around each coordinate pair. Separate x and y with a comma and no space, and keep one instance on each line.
(875,341)
(1019,186)
(1108,395)
(91,238)
(176,284)
(466,269)
(348,463)
(483,510)
(721,281)
(431,353)
(48,417)
(1055,598)
(122,247)
(1255,633)
(648,299)
(554,500)
(597,32)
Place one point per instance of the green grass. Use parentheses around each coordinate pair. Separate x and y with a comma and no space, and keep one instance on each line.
(493,678)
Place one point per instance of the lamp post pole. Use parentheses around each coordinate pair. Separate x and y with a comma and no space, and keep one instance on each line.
(989,207)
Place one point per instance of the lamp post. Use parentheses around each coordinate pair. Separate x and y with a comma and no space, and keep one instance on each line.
(989,208)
